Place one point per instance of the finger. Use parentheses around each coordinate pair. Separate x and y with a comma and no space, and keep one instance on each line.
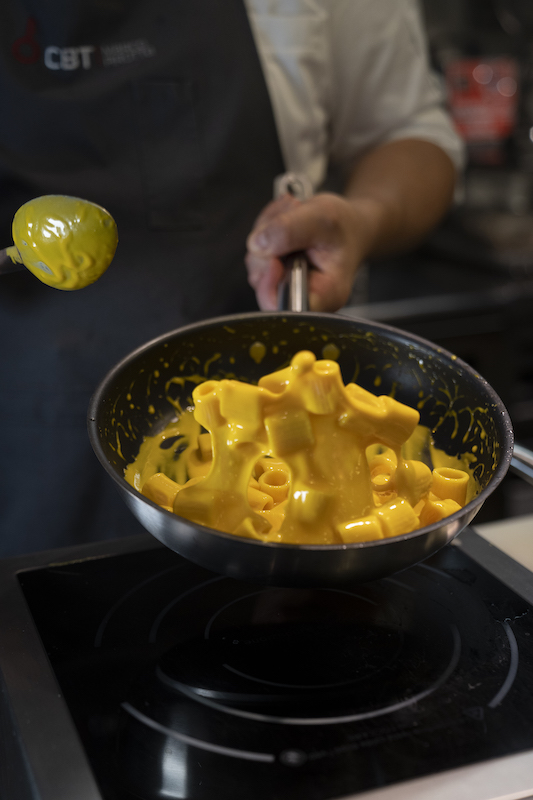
(255,266)
(328,291)
(264,276)
(301,226)
(273,209)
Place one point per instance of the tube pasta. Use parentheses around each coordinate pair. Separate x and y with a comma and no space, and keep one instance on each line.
(450,484)
(303,458)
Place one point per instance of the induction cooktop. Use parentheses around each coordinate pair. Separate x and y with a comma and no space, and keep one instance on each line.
(128,672)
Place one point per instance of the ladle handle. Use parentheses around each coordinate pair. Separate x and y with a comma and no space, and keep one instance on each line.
(292,291)
(6,265)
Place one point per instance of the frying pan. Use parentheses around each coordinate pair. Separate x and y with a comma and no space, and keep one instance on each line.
(140,395)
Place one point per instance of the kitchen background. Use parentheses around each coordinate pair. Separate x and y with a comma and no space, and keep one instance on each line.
(470,286)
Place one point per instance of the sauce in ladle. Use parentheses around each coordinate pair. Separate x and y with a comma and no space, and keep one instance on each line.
(66,242)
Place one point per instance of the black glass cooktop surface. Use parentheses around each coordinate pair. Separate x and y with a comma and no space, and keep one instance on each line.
(186,684)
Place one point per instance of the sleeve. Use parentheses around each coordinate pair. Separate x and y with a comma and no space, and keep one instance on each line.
(382,86)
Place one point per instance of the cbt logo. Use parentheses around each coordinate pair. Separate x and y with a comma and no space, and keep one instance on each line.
(68,58)
(27,50)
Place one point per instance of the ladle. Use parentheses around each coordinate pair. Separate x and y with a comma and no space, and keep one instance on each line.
(66,242)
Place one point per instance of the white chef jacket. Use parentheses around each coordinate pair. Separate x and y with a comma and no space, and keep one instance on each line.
(346,75)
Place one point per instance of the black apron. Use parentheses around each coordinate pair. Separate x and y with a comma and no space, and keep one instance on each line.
(159,112)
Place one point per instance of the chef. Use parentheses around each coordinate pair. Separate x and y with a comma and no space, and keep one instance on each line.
(176,117)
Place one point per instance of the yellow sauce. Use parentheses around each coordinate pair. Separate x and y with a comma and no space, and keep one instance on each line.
(66,242)
(299,458)
(331,352)
(257,352)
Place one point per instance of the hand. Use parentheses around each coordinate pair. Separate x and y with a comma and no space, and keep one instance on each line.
(335,234)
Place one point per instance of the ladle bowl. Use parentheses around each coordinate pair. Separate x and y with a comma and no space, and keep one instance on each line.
(65,242)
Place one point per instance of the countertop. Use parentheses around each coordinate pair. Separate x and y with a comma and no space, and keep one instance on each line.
(513,536)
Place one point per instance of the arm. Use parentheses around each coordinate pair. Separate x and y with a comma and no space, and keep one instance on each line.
(407,186)
(396,194)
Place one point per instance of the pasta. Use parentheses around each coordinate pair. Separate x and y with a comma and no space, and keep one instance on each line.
(299,458)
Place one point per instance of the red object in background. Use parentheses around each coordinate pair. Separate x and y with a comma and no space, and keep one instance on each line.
(483,100)
(26,49)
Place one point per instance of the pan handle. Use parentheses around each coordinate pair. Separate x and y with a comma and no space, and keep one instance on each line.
(522,462)
(292,291)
